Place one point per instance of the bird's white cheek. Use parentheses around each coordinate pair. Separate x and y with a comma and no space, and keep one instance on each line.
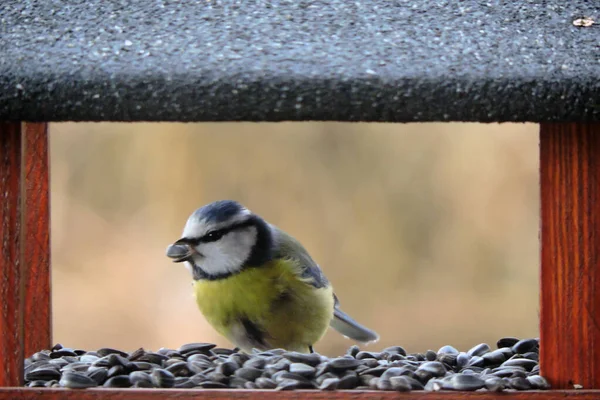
(226,255)
(196,260)
(188,266)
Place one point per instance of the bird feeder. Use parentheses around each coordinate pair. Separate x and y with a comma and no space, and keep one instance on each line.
(327,60)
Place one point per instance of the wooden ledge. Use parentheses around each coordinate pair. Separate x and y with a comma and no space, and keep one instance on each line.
(201,394)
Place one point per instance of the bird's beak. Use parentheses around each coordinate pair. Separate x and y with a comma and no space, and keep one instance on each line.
(179,251)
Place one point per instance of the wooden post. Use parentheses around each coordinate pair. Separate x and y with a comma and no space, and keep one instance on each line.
(11,308)
(36,240)
(570,254)
(25,325)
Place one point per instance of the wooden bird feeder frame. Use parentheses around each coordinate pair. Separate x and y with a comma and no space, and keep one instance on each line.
(569,274)
(569,158)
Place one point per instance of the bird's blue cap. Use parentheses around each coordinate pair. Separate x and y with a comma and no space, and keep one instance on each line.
(219,211)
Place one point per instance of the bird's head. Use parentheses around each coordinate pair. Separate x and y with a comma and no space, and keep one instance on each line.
(220,239)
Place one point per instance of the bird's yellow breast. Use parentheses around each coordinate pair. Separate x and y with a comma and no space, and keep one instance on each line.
(294,313)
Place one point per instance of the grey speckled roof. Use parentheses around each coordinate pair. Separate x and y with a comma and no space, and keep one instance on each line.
(367,60)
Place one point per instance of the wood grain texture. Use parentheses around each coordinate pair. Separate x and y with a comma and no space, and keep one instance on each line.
(209,394)
(570,254)
(36,240)
(11,306)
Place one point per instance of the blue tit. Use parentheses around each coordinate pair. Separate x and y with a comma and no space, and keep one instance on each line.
(257,285)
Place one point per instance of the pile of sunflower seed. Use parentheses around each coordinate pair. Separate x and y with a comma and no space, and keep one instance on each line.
(512,366)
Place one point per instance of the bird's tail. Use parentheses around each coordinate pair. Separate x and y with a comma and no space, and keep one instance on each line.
(348,327)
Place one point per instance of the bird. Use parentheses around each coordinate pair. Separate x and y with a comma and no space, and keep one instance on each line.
(256,285)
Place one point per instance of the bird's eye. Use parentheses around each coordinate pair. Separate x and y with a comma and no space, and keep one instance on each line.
(212,236)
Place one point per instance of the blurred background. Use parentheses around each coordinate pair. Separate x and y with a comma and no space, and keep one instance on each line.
(428,232)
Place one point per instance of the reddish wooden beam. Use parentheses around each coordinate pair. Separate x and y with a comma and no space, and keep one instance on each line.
(570,254)
(36,240)
(210,394)
(25,259)
(11,323)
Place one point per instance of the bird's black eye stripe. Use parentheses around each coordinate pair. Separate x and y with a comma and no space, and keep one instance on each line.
(213,236)
(217,234)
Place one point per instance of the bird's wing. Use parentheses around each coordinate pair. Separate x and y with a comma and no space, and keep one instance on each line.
(288,247)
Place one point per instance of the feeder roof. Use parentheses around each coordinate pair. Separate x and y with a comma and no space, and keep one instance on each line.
(272,60)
